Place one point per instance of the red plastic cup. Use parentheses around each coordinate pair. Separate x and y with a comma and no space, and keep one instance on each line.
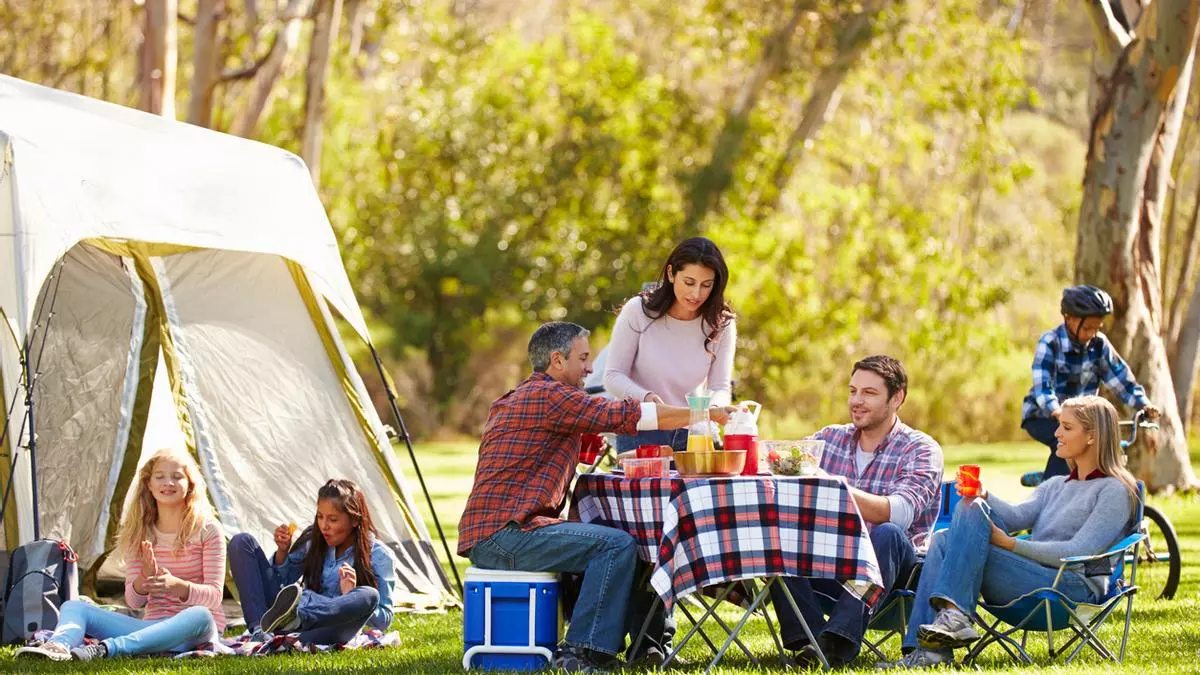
(589,448)
(647,451)
(968,480)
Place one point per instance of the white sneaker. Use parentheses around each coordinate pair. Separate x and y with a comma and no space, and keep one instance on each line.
(47,650)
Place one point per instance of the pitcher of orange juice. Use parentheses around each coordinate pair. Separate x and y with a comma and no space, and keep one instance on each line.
(699,427)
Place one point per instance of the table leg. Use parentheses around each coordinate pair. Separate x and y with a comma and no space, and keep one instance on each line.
(699,597)
(758,598)
(767,618)
(686,612)
(787,593)
(703,617)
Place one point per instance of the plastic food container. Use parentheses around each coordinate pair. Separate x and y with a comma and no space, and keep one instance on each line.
(650,467)
(794,458)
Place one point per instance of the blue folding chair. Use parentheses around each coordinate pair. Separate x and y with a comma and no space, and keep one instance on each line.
(1048,610)
(891,617)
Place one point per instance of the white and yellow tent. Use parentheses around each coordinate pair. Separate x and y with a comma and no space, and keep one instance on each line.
(171,284)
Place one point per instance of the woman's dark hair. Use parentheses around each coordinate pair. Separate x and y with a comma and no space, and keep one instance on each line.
(715,311)
(350,500)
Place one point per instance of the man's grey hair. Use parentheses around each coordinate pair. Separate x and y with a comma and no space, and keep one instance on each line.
(556,336)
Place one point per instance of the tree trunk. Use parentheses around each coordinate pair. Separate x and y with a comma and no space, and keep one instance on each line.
(262,88)
(159,54)
(715,177)
(359,11)
(1118,239)
(854,39)
(206,64)
(1183,368)
(329,15)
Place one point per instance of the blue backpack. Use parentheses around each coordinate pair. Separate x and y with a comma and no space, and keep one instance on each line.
(42,575)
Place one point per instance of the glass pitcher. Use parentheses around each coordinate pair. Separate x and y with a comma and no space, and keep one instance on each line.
(699,430)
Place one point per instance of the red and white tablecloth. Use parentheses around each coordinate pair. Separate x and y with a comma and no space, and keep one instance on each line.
(698,532)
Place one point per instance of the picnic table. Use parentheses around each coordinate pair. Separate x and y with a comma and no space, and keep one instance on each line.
(699,532)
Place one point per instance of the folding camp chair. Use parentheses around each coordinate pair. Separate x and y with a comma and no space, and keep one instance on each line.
(891,617)
(1047,609)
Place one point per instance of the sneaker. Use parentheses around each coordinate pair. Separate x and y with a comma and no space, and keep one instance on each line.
(650,656)
(281,617)
(90,652)
(46,650)
(950,629)
(920,658)
(575,660)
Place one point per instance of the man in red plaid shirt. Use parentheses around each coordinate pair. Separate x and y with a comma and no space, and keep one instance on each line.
(895,475)
(528,454)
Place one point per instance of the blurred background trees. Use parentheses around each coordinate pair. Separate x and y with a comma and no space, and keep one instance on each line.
(900,177)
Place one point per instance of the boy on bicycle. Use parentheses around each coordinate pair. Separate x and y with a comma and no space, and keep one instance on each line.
(1073,360)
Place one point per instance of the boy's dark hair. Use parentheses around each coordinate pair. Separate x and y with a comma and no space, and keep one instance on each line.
(889,369)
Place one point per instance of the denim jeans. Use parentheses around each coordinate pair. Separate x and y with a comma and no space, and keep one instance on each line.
(335,621)
(676,438)
(127,636)
(607,558)
(848,615)
(257,581)
(1042,431)
(962,564)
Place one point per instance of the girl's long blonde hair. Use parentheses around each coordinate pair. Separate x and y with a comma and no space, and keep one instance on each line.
(1097,416)
(138,524)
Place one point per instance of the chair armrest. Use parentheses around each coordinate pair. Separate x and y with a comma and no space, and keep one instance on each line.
(1122,545)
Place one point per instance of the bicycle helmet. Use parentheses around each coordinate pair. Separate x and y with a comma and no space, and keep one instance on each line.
(1086,301)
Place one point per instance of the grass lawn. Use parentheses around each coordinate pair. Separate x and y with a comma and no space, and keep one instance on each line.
(1164,637)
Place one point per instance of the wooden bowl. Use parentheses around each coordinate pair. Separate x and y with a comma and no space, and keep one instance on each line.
(716,463)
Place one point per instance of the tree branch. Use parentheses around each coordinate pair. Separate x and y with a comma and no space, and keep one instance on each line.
(1111,36)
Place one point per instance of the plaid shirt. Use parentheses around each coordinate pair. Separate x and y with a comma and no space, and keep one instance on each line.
(1062,369)
(908,463)
(529,451)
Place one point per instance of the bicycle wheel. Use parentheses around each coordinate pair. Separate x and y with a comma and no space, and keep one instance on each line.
(1159,561)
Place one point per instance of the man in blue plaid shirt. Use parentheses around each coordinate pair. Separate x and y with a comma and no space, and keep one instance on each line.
(1073,360)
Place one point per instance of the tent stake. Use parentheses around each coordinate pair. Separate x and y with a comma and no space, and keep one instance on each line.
(403,431)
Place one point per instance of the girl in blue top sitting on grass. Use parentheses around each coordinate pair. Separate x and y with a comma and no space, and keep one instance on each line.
(336,579)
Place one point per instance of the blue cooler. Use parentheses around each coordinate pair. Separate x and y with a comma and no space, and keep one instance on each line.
(511,620)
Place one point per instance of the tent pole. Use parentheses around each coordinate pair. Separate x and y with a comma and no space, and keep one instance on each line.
(403,431)
(37,534)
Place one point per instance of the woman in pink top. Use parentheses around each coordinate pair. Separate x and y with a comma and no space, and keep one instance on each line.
(175,569)
(675,338)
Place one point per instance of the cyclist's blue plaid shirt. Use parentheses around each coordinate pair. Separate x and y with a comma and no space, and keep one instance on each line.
(1062,369)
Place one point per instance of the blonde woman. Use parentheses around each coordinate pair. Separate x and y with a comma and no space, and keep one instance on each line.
(1080,514)
(175,568)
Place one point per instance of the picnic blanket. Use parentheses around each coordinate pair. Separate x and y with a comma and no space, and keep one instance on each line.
(262,644)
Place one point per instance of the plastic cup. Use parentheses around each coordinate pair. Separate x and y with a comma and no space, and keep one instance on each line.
(968,480)
(589,449)
(647,451)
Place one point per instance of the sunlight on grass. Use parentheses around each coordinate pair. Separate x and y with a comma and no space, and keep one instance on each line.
(1164,639)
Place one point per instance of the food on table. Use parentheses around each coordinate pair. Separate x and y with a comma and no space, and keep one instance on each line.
(794,458)
(651,467)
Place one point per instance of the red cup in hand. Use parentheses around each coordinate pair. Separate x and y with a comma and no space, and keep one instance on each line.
(647,451)
(589,449)
(967,481)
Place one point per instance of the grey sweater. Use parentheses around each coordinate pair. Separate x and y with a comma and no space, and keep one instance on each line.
(1069,518)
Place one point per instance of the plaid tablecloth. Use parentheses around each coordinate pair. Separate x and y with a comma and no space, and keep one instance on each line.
(703,531)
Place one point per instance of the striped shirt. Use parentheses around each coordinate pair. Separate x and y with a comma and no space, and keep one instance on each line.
(528,454)
(908,465)
(201,562)
(1063,369)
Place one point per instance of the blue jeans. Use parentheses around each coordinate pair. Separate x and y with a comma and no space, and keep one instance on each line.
(257,581)
(676,438)
(607,558)
(126,636)
(1042,431)
(336,620)
(848,616)
(962,564)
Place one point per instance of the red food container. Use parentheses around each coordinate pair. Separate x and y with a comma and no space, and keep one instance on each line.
(647,451)
(749,443)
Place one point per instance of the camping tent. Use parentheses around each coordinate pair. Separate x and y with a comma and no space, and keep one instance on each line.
(137,250)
